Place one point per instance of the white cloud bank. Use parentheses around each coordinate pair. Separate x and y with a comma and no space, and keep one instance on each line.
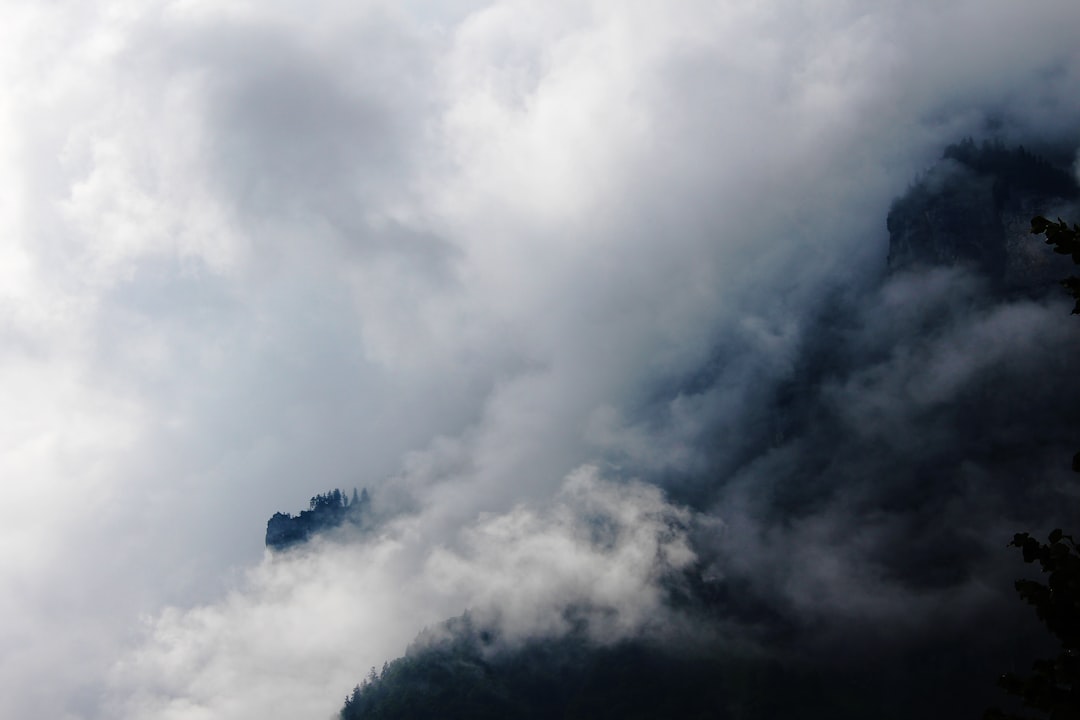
(305,624)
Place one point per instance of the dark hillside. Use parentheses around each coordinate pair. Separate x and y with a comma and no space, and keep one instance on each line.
(975,207)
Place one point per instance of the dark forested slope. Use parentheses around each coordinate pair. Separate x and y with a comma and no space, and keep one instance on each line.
(975,207)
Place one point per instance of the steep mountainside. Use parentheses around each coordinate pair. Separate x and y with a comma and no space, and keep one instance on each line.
(975,207)
(927,461)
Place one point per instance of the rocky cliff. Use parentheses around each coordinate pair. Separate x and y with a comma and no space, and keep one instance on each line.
(325,512)
(974,207)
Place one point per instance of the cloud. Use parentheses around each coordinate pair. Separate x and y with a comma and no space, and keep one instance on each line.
(933,423)
(306,624)
(451,253)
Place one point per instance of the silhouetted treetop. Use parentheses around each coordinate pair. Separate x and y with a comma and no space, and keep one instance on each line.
(325,511)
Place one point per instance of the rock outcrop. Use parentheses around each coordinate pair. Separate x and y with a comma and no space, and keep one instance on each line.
(326,512)
(974,208)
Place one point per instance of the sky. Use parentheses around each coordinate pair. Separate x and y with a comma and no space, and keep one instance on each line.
(513,266)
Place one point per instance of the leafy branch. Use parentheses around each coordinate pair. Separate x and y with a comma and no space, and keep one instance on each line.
(1053,687)
(1066,241)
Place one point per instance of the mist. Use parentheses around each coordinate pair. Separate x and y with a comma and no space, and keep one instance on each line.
(523,270)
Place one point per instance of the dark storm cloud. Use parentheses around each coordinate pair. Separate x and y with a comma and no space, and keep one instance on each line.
(878,480)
